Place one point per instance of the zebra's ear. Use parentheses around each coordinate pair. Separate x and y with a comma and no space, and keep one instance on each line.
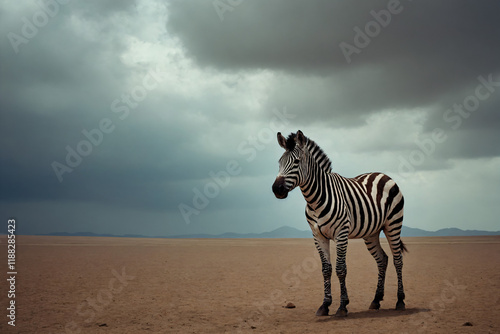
(300,138)
(281,140)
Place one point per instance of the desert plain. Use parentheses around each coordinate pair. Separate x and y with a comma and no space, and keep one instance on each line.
(132,285)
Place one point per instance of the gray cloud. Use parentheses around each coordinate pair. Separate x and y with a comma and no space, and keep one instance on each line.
(427,52)
(221,84)
(442,41)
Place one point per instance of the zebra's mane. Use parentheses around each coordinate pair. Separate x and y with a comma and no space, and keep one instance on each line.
(290,142)
(319,155)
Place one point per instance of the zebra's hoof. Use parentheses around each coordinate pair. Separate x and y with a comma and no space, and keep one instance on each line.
(400,305)
(322,311)
(374,306)
(341,312)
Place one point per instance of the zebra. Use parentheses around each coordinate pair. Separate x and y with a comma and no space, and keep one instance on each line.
(340,208)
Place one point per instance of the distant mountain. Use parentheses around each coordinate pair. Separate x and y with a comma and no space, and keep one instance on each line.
(91,234)
(287,232)
(445,232)
(281,232)
(290,232)
(79,234)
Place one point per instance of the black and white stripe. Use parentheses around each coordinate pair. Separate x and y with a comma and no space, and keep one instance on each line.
(339,209)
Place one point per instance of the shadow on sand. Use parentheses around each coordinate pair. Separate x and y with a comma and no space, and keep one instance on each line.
(374,314)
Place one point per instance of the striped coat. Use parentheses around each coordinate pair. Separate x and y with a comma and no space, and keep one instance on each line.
(339,209)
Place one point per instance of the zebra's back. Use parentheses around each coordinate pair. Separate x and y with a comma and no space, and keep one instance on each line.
(374,202)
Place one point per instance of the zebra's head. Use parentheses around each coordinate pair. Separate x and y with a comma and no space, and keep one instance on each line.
(290,174)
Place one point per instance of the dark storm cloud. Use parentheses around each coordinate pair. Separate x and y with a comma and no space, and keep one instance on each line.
(261,56)
(303,37)
(427,54)
(470,119)
(60,82)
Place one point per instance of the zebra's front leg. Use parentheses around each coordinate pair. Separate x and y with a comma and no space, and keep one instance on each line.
(323,246)
(341,270)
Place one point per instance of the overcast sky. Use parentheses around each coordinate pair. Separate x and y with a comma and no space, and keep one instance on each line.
(159,118)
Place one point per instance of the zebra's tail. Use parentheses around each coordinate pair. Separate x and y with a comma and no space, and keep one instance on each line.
(402,247)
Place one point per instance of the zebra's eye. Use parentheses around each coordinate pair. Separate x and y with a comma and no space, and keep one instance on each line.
(296,161)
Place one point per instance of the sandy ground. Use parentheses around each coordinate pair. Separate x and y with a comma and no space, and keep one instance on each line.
(118,285)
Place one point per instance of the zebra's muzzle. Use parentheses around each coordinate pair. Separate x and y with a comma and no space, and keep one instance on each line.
(279,188)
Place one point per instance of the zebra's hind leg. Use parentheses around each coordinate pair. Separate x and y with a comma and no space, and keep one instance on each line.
(397,248)
(375,249)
